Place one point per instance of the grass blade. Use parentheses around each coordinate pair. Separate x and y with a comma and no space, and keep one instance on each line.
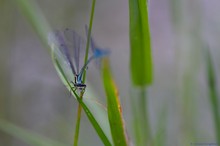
(93,121)
(160,134)
(34,15)
(75,143)
(141,69)
(213,93)
(89,36)
(76,134)
(114,107)
(26,136)
(89,114)
(141,122)
(140,45)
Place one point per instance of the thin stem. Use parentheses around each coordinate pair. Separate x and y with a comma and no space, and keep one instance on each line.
(213,95)
(215,107)
(90,116)
(141,121)
(84,75)
(76,137)
(89,36)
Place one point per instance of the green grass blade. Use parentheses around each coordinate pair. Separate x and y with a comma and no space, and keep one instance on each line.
(76,134)
(34,15)
(141,122)
(160,134)
(26,136)
(141,68)
(140,44)
(89,36)
(213,93)
(75,143)
(114,107)
(89,114)
(93,121)
(99,113)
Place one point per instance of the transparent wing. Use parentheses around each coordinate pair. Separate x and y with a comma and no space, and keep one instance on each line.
(97,51)
(58,53)
(63,46)
(77,45)
(92,43)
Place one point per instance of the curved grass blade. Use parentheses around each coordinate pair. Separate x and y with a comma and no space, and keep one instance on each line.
(84,74)
(213,92)
(140,44)
(26,136)
(38,21)
(89,114)
(114,108)
(88,37)
(93,121)
(99,113)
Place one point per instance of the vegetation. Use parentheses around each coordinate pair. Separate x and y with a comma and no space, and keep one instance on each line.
(108,120)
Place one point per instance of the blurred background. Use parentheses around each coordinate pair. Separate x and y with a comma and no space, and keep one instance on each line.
(33,97)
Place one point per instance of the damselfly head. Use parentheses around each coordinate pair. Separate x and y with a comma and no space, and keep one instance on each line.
(78,86)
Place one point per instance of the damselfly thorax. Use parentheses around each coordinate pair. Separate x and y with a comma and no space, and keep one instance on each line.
(78,84)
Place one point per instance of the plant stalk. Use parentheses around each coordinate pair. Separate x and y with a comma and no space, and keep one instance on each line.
(79,110)
(213,94)
(84,74)
(140,119)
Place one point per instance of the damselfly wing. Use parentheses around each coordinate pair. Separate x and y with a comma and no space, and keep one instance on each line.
(72,47)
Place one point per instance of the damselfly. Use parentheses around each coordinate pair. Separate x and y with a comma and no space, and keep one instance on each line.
(71,44)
